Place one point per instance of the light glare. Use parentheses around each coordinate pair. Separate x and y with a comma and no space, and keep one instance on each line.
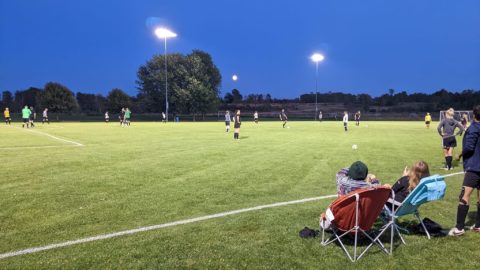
(316,57)
(164,33)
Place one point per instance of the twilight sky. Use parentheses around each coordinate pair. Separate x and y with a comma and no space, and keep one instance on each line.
(370,45)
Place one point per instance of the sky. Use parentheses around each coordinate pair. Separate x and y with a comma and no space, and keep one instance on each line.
(370,46)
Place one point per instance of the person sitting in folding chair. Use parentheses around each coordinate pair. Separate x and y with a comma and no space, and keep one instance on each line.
(429,189)
(355,177)
(354,215)
(410,179)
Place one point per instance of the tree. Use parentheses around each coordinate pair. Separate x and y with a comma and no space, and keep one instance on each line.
(193,83)
(117,99)
(31,97)
(7,99)
(88,103)
(58,98)
(237,97)
(228,98)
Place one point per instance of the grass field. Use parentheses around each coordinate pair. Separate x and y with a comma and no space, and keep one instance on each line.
(53,191)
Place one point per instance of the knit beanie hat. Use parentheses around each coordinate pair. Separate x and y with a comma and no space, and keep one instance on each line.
(358,171)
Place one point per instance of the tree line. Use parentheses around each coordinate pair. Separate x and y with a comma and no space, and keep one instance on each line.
(194,89)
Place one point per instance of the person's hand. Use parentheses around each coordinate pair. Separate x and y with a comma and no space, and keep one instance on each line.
(387,186)
(406,171)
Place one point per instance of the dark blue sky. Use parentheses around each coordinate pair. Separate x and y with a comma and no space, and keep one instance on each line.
(370,46)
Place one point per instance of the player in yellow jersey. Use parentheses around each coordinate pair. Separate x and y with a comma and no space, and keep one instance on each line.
(428,120)
(6,114)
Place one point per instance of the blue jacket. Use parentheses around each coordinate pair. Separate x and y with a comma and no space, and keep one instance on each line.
(471,148)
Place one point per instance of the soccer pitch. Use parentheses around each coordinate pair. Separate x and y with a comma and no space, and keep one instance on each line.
(67,181)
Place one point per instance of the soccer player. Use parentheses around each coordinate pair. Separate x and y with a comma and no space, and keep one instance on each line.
(121,116)
(255,117)
(45,116)
(320,116)
(345,120)
(164,118)
(446,129)
(26,116)
(227,121)
(357,118)
(33,116)
(471,180)
(428,119)
(238,123)
(6,114)
(464,120)
(283,117)
(128,113)
(107,117)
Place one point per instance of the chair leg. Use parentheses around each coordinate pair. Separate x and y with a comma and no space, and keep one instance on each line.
(423,225)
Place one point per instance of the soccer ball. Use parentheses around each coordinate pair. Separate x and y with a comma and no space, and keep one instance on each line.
(354,147)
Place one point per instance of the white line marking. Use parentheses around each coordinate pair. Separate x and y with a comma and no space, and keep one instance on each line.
(51,136)
(36,147)
(165,225)
(453,174)
(156,227)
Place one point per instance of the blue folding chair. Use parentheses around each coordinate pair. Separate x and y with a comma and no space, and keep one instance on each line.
(429,189)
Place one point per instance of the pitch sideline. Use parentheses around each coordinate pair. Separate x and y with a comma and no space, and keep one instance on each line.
(165,225)
(51,136)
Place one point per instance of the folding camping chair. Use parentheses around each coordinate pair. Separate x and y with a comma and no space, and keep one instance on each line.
(354,214)
(429,189)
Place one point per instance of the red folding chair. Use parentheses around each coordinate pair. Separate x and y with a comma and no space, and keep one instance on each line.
(354,214)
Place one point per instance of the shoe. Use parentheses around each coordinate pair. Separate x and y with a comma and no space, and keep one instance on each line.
(475,229)
(455,232)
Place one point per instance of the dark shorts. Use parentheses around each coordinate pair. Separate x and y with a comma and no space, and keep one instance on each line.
(427,122)
(227,123)
(25,120)
(472,179)
(345,124)
(237,125)
(45,118)
(449,142)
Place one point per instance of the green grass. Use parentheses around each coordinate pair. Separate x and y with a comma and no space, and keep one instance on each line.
(151,173)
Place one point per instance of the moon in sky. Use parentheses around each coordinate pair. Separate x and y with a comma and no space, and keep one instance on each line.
(234,77)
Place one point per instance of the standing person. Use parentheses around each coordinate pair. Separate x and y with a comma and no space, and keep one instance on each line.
(255,117)
(283,117)
(107,117)
(428,120)
(320,116)
(121,116)
(446,129)
(357,118)
(164,118)
(345,120)
(6,114)
(227,121)
(471,180)
(464,120)
(26,116)
(128,114)
(33,116)
(45,116)
(238,123)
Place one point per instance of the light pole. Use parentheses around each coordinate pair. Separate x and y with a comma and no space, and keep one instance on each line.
(164,33)
(316,57)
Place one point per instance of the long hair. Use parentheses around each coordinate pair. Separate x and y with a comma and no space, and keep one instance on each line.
(418,171)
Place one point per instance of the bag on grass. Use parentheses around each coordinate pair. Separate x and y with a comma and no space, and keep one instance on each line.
(308,233)
(432,227)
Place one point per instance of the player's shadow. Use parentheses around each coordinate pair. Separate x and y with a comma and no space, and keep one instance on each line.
(244,137)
